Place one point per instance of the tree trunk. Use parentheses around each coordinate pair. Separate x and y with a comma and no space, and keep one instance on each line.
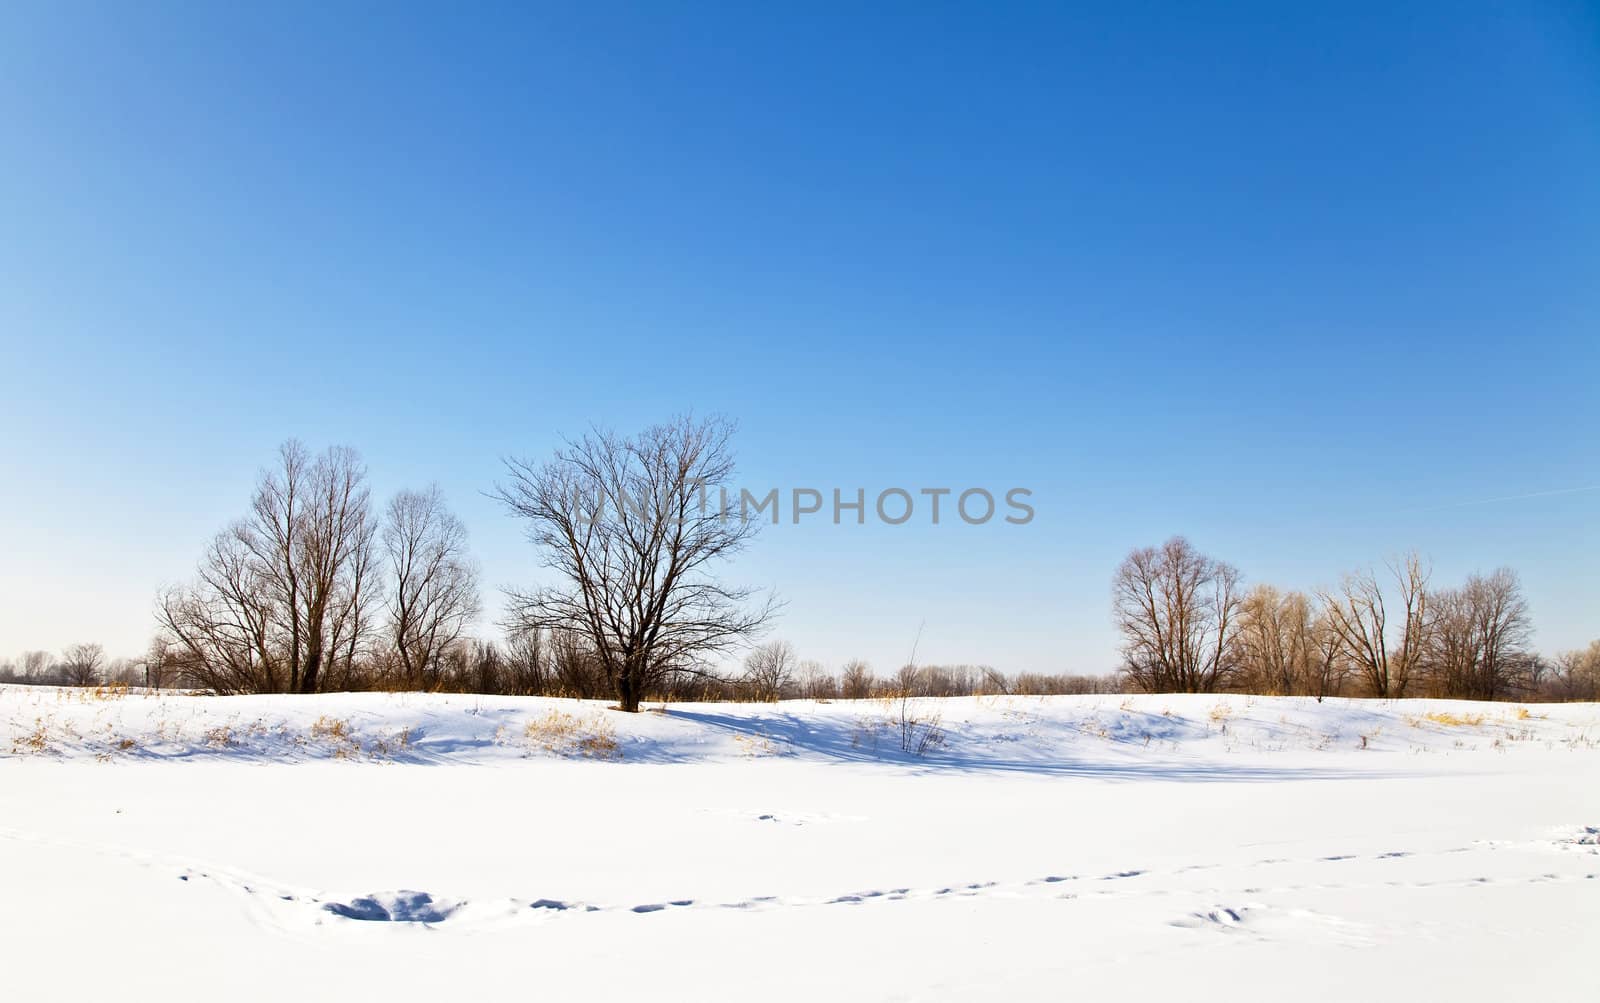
(309,680)
(628,690)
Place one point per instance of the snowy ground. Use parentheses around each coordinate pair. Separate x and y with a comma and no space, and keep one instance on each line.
(409,846)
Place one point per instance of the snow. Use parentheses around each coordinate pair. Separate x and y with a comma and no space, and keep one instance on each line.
(1197,847)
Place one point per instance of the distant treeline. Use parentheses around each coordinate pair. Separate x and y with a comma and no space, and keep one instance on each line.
(537,663)
(318,589)
(1188,625)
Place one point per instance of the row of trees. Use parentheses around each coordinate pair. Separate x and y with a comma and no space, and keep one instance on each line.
(77,665)
(1188,625)
(772,671)
(1283,659)
(315,590)
(545,663)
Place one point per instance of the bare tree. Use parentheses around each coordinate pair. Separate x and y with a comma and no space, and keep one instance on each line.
(1385,655)
(527,660)
(223,628)
(123,672)
(575,668)
(769,670)
(81,664)
(1505,629)
(355,608)
(1177,610)
(34,666)
(1577,673)
(910,681)
(312,518)
(434,595)
(625,525)
(282,595)
(488,668)
(1327,664)
(159,664)
(816,683)
(1274,642)
(1453,642)
(1479,637)
(856,682)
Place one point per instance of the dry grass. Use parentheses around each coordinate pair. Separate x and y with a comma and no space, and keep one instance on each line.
(1448,719)
(35,742)
(563,734)
(336,734)
(96,694)
(91,694)
(391,746)
(868,732)
(755,746)
(330,728)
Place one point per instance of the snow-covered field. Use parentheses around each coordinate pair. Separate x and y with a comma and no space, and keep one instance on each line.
(452,847)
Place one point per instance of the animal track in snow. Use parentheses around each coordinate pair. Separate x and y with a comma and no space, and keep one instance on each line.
(1583,836)
(393,907)
(281,905)
(1220,917)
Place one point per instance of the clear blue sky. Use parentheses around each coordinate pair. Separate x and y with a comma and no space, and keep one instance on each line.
(1307,283)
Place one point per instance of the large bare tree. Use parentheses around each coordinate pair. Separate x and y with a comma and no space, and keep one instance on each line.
(1385,654)
(1177,610)
(433,586)
(81,664)
(631,530)
(1505,630)
(284,595)
(1479,637)
(310,537)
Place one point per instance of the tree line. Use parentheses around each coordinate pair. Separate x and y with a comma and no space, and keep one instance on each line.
(317,588)
(1188,625)
(558,664)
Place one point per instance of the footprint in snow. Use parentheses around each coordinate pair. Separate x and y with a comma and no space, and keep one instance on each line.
(393,907)
(1222,918)
(659,906)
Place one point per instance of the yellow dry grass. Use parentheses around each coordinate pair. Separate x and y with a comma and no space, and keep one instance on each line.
(563,734)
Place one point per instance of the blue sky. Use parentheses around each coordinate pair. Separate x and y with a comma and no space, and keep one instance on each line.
(1310,284)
